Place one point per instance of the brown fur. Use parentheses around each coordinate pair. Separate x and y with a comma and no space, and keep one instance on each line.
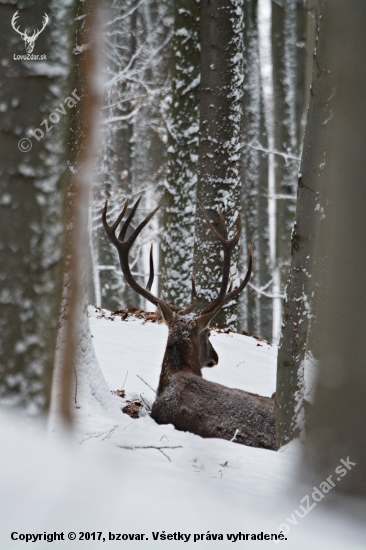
(205,408)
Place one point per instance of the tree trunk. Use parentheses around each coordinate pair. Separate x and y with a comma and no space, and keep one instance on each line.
(289,54)
(337,429)
(256,307)
(74,344)
(304,249)
(221,107)
(181,184)
(32,200)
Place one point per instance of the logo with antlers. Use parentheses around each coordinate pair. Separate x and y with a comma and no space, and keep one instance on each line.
(29,40)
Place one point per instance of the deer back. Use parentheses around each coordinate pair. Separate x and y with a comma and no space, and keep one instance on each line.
(205,408)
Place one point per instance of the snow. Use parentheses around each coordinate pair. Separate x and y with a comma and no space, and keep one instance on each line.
(109,476)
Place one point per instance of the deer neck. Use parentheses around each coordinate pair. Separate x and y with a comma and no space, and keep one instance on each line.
(181,354)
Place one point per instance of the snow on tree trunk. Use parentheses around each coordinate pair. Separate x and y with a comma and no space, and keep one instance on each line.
(88,388)
(310,209)
(289,53)
(221,107)
(256,307)
(75,358)
(32,198)
(337,427)
(181,178)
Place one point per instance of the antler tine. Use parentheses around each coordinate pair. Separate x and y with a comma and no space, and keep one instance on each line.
(45,21)
(223,238)
(13,22)
(193,291)
(235,239)
(193,303)
(122,234)
(213,230)
(123,248)
(189,309)
(223,224)
(206,316)
(111,229)
(232,293)
(228,246)
(138,229)
(151,276)
(231,286)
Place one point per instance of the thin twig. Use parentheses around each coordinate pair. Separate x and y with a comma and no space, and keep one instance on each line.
(130,424)
(125,380)
(148,385)
(146,405)
(266,294)
(107,434)
(269,151)
(162,452)
(110,433)
(152,447)
(235,434)
(76,384)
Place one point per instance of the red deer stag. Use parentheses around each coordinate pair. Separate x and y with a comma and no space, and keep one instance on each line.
(184,398)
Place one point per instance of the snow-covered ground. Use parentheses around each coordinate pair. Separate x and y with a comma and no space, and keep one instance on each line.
(128,476)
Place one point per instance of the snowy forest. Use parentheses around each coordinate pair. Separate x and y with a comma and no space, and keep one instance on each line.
(182,273)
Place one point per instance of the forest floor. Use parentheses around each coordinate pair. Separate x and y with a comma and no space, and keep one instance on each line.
(120,475)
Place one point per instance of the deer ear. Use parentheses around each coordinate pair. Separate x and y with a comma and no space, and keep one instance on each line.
(204,321)
(166,313)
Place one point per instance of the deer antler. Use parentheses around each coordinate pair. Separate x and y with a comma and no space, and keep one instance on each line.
(123,247)
(37,33)
(13,21)
(225,294)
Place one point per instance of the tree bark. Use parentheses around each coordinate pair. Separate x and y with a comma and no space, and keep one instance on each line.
(338,424)
(289,53)
(311,199)
(221,107)
(74,344)
(32,198)
(181,184)
(255,309)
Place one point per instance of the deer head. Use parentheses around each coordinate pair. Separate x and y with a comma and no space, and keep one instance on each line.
(29,40)
(188,347)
